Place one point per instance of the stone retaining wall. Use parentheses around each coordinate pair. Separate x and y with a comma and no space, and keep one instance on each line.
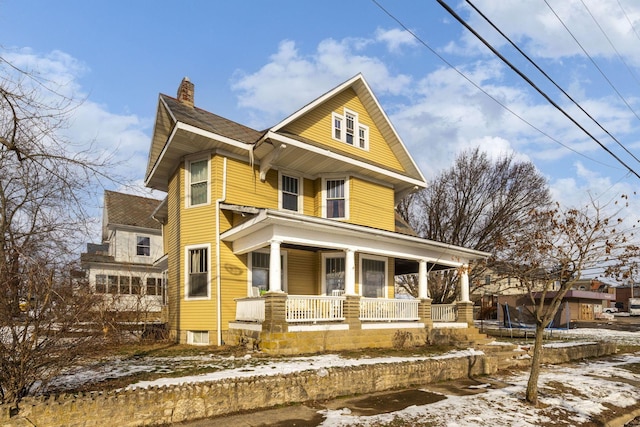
(170,404)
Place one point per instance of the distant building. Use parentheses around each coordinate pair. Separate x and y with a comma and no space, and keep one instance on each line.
(122,267)
(623,293)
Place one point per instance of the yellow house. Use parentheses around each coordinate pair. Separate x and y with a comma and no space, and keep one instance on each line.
(286,239)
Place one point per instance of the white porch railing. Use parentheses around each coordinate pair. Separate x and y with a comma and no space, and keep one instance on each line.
(314,308)
(444,312)
(250,310)
(378,309)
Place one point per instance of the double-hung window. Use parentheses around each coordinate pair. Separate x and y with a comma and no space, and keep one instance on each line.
(334,268)
(260,270)
(347,128)
(143,246)
(335,198)
(101,284)
(290,193)
(373,277)
(198,182)
(337,127)
(198,272)
(350,119)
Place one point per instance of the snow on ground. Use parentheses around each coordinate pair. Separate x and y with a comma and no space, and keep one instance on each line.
(569,392)
(291,365)
(569,396)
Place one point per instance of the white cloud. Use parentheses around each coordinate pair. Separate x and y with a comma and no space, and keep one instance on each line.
(537,29)
(395,39)
(291,79)
(91,129)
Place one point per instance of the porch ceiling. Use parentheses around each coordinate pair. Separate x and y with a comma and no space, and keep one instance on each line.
(313,233)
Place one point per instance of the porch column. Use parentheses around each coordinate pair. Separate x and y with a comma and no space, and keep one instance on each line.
(464,283)
(275,275)
(423,290)
(349,272)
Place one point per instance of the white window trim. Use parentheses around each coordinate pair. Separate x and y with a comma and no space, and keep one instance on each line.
(366,136)
(188,248)
(300,190)
(334,117)
(283,255)
(347,184)
(357,125)
(323,267)
(191,334)
(386,272)
(143,236)
(187,191)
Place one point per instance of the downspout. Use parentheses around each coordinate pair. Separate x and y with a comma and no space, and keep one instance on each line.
(218,269)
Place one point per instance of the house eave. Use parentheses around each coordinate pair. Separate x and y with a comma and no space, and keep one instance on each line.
(303,230)
(184,140)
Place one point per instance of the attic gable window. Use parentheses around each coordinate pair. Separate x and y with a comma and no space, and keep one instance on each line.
(347,129)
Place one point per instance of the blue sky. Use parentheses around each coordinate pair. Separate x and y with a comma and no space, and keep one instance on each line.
(256,62)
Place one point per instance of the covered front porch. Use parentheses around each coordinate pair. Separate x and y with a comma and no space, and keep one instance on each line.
(347,301)
(295,324)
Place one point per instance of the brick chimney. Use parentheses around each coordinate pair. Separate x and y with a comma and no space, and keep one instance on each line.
(185,92)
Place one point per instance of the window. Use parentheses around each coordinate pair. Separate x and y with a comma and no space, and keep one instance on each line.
(198,337)
(198,182)
(350,119)
(335,198)
(334,274)
(101,284)
(348,129)
(143,246)
(260,270)
(112,283)
(373,277)
(363,137)
(152,286)
(337,127)
(198,271)
(290,193)
(125,281)
(136,285)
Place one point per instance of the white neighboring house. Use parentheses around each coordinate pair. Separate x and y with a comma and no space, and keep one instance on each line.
(124,266)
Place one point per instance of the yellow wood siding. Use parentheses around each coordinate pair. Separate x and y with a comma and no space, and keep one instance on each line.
(309,198)
(197,227)
(174,280)
(302,274)
(317,126)
(371,204)
(245,188)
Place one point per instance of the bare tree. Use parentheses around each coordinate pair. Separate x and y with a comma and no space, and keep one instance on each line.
(549,255)
(475,204)
(44,188)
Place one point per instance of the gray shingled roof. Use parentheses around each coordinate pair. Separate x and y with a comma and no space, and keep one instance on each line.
(210,122)
(127,209)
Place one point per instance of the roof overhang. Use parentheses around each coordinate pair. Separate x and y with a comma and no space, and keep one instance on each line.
(279,151)
(301,230)
(184,140)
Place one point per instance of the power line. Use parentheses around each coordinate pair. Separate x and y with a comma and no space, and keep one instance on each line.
(477,86)
(533,85)
(620,57)
(595,64)
(628,20)
(532,62)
